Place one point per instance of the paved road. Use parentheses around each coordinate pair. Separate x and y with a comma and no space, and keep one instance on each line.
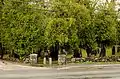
(72,72)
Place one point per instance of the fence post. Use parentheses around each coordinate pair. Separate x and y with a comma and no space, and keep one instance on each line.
(50,61)
(44,61)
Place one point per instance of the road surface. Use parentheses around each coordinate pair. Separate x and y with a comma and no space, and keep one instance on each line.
(70,72)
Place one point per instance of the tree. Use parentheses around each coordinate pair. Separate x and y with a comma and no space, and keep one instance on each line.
(22,27)
(28,26)
(105,25)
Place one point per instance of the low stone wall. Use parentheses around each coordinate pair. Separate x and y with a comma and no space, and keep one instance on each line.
(97,59)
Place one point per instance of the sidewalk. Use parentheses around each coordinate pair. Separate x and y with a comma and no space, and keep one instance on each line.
(4,65)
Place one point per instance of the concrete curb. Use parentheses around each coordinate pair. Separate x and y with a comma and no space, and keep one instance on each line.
(89,66)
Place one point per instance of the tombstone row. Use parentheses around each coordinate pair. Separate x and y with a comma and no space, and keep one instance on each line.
(34,60)
(61,59)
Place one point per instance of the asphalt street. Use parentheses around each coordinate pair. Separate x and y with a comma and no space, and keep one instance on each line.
(72,72)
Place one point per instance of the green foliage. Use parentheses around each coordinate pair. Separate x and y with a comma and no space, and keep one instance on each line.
(28,25)
(105,24)
(22,27)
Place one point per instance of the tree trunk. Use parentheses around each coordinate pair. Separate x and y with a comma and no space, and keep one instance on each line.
(113,50)
(88,51)
(54,51)
(103,51)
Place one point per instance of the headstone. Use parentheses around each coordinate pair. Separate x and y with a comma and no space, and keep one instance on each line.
(116,46)
(61,59)
(115,49)
(73,60)
(33,58)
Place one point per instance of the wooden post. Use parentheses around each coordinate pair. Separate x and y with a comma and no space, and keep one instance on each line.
(50,61)
(44,60)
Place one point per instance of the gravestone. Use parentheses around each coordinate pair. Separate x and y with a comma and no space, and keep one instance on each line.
(33,59)
(115,49)
(116,46)
(73,60)
(62,59)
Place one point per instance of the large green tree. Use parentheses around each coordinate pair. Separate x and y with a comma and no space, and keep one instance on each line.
(22,26)
(30,25)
